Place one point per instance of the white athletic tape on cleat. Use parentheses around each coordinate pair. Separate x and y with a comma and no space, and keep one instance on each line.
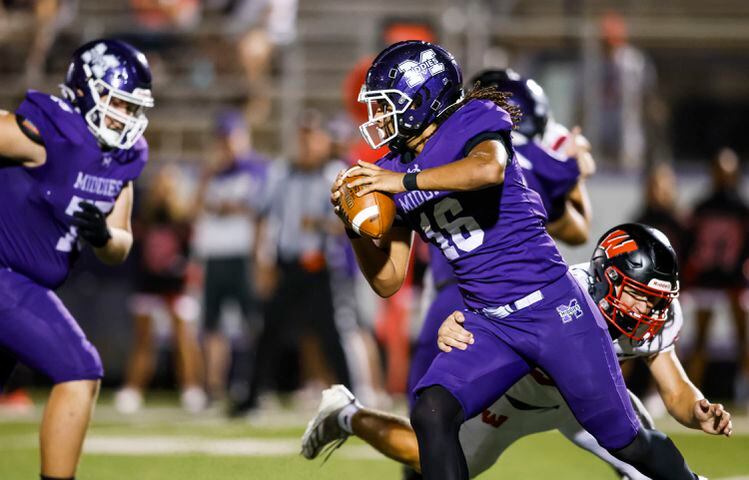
(363,216)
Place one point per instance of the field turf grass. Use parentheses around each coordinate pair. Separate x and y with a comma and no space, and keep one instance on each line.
(163,443)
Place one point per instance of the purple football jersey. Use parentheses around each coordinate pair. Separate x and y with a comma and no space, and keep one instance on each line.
(546,172)
(494,238)
(37,237)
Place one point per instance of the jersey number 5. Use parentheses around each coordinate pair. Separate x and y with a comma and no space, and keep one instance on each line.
(67,242)
(464,232)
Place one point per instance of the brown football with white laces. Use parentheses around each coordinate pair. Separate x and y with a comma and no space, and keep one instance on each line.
(371,214)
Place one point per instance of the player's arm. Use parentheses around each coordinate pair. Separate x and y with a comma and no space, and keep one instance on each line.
(116,250)
(20,143)
(483,167)
(573,227)
(384,263)
(683,400)
(111,236)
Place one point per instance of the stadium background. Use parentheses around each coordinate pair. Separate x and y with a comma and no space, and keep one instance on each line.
(695,101)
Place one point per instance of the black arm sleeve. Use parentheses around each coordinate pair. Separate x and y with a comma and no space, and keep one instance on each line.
(501,136)
(31,134)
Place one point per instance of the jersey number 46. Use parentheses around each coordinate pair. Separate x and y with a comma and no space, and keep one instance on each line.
(453,234)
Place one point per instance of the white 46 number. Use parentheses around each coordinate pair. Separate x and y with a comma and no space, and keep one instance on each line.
(464,232)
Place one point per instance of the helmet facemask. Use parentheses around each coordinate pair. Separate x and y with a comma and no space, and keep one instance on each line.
(626,319)
(133,118)
(383,110)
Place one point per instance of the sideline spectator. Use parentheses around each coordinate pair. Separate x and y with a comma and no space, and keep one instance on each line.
(261,28)
(717,265)
(300,341)
(628,82)
(229,198)
(659,207)
(162,239)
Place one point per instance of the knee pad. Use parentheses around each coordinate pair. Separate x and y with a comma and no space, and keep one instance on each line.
(436,410)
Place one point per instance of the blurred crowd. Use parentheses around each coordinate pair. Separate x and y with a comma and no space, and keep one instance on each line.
(242,272)
(711,239)
(257,236)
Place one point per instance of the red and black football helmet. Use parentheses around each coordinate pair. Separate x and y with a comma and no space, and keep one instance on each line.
(639,259)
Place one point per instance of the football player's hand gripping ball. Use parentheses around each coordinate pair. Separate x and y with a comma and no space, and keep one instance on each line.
(371,214)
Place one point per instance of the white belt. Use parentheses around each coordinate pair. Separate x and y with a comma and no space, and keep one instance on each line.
(505,310)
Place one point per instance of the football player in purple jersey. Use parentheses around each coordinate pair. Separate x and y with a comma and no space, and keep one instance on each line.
(555,161)
(624,278)
(68,167)
(455,181)
(554,166)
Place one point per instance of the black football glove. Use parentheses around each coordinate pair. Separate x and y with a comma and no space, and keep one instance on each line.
(92,225)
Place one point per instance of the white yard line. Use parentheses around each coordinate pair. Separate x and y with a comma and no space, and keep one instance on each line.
(245,447)
(184,445)
(164,445)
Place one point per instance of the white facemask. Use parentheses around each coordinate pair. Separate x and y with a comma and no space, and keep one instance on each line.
(373,131)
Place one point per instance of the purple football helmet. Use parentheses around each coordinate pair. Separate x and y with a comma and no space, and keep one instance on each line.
(527,95)
(110,79)
(407,87)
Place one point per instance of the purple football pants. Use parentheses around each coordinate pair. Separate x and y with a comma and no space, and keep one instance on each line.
(567,337)
(447,300)
(37,330)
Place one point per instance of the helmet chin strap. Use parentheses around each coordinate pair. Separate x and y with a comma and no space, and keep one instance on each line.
(399,144)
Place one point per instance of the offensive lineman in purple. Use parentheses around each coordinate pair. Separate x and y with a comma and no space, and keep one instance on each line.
(67,179)
(526,309)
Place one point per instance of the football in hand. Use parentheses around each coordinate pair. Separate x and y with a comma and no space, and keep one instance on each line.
(371,214)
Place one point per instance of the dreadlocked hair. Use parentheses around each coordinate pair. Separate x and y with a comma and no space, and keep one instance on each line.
(484,93)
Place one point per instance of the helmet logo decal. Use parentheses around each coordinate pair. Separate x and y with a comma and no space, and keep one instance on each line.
(98,61)
(617,243)
(660,285)
(414,71)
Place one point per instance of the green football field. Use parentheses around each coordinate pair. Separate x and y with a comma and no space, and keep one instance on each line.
(163,443)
